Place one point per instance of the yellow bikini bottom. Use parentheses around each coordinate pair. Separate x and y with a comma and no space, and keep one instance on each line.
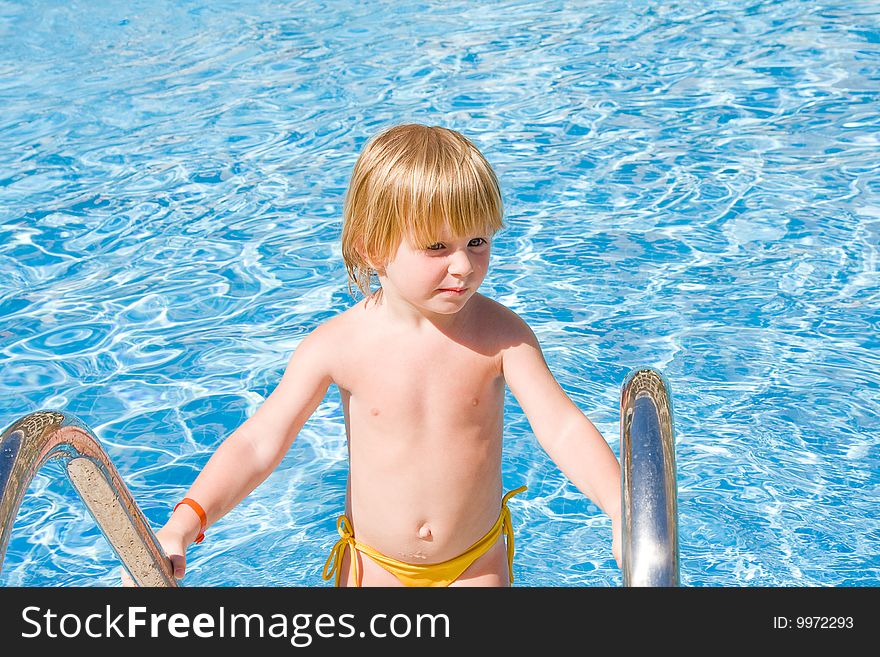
(434,574)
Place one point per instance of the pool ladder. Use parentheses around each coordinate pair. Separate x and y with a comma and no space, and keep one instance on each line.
(34,439)
(648,488)
(648,481)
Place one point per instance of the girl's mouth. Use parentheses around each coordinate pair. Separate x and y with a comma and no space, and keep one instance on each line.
(454,291)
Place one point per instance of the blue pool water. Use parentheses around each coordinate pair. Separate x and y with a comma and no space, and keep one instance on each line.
(687,188)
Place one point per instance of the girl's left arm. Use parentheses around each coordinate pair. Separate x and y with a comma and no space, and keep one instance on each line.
(566,434)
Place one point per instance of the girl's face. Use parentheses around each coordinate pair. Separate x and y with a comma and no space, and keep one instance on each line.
(439,277)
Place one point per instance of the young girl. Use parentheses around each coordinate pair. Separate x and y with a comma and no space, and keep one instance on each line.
(421,365)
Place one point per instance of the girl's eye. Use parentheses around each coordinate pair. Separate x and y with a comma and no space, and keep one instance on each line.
(477,241)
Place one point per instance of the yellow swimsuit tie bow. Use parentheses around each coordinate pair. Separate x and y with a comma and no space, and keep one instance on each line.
(507,526)
(334,561)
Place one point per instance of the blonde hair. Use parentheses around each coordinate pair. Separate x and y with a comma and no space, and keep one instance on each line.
(408,182)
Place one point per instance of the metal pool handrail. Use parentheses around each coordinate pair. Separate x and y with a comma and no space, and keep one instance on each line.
(648,483)
(34,439)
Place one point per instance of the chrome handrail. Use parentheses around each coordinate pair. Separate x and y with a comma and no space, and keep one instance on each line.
(648,481)
(34,439)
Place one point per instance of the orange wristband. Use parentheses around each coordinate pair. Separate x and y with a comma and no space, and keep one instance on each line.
(203,518)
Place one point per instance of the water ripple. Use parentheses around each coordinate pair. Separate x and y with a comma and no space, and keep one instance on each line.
(689,187)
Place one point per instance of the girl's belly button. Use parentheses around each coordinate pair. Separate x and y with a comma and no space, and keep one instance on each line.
(425,532)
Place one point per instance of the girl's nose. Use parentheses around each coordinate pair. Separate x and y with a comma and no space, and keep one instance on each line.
(460,264)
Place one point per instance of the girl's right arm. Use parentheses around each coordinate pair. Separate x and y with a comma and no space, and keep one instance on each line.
(254,450)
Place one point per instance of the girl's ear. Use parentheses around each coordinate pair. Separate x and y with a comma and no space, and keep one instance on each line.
(372,262)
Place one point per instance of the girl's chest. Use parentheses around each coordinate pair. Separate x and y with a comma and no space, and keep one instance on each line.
(403,381)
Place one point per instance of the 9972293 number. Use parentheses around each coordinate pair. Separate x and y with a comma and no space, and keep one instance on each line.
(823,622)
